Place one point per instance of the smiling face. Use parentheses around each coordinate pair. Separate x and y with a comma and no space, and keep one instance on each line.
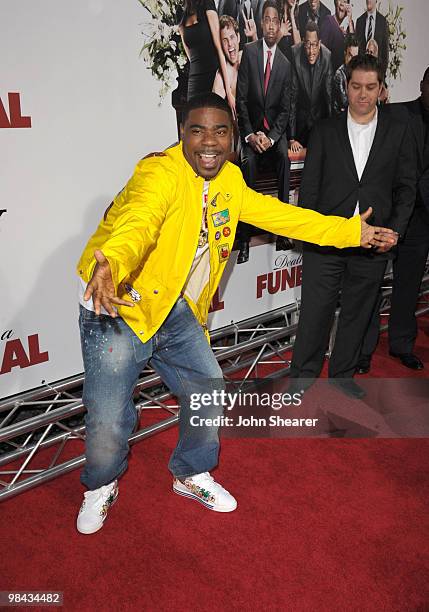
(230,44)
(207,139)
(312,47)
(363,91)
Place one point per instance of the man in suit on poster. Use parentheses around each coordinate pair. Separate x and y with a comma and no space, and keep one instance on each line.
(411,253)
(311,10)
(311,86)
(358,159)
(263,102)
(373,24)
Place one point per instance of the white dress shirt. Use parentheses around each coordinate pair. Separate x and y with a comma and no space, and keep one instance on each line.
(373,13)
(266,48)
(361,137)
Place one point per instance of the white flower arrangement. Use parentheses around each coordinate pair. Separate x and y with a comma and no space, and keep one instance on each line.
(397,36)
(162,52)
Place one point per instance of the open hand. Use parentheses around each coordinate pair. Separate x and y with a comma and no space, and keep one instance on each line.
(381,238)
(285,28)
(101,287)
(295,146)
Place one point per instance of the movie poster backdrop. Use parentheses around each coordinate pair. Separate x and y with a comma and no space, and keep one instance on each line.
(90,87)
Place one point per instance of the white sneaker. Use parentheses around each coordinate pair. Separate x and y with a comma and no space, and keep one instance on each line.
(206,490)
(95,506)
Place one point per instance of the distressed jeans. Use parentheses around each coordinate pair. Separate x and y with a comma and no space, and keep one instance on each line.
(113,358)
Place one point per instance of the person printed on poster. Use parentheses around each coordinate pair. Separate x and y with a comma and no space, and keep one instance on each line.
(199,29)
(334,29)
(339,88)
(311,86)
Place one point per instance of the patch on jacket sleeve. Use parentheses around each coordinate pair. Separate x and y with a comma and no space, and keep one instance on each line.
(223,251)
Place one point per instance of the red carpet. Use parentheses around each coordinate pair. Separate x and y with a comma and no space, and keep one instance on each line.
(333,525)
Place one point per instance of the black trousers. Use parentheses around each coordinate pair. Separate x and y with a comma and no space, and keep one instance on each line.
(408,269)
(326,272)
(278,153)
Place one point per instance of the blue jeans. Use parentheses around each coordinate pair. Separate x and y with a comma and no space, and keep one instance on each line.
(113,358)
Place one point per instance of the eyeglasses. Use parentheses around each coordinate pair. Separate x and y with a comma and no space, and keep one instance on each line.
(268,21)
(309,45)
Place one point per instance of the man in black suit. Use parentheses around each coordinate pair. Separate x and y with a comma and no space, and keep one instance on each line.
(359,159)
(373,25)
(312,10)
(248,15)
(263,102)
(311,86)
(411,252)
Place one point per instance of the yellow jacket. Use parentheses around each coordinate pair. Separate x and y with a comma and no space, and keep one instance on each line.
(150,233)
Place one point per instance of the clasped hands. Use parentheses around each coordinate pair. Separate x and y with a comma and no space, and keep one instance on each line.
(259,142)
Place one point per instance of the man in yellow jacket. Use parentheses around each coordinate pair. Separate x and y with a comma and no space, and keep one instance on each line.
(148,275)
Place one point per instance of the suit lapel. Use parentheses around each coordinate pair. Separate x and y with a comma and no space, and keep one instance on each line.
(416,122)
(379,136)
(260,58)
(305,72)
(345,143)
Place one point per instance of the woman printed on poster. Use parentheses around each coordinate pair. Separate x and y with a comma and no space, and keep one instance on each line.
(199,29)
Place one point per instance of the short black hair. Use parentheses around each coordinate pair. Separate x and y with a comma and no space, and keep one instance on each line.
(312,27)
(270,4)
(350,40)
(365,62)
(426,74)
(206,100)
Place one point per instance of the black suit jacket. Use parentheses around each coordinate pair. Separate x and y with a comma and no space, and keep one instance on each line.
(330,183)
(418,129)
(305,15)
(252,104)
(381,35)
(235,8)
(309,103)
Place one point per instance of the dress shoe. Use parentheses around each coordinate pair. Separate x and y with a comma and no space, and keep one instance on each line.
(364,364)
(408,360)
(348,387)
(284,244)
(243,254)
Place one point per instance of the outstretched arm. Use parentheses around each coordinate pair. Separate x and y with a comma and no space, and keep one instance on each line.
(276,217)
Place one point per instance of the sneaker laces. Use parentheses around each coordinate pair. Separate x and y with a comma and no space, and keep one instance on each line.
(204,480)
(102,492)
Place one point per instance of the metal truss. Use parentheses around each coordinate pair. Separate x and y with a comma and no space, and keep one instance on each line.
(38,426)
